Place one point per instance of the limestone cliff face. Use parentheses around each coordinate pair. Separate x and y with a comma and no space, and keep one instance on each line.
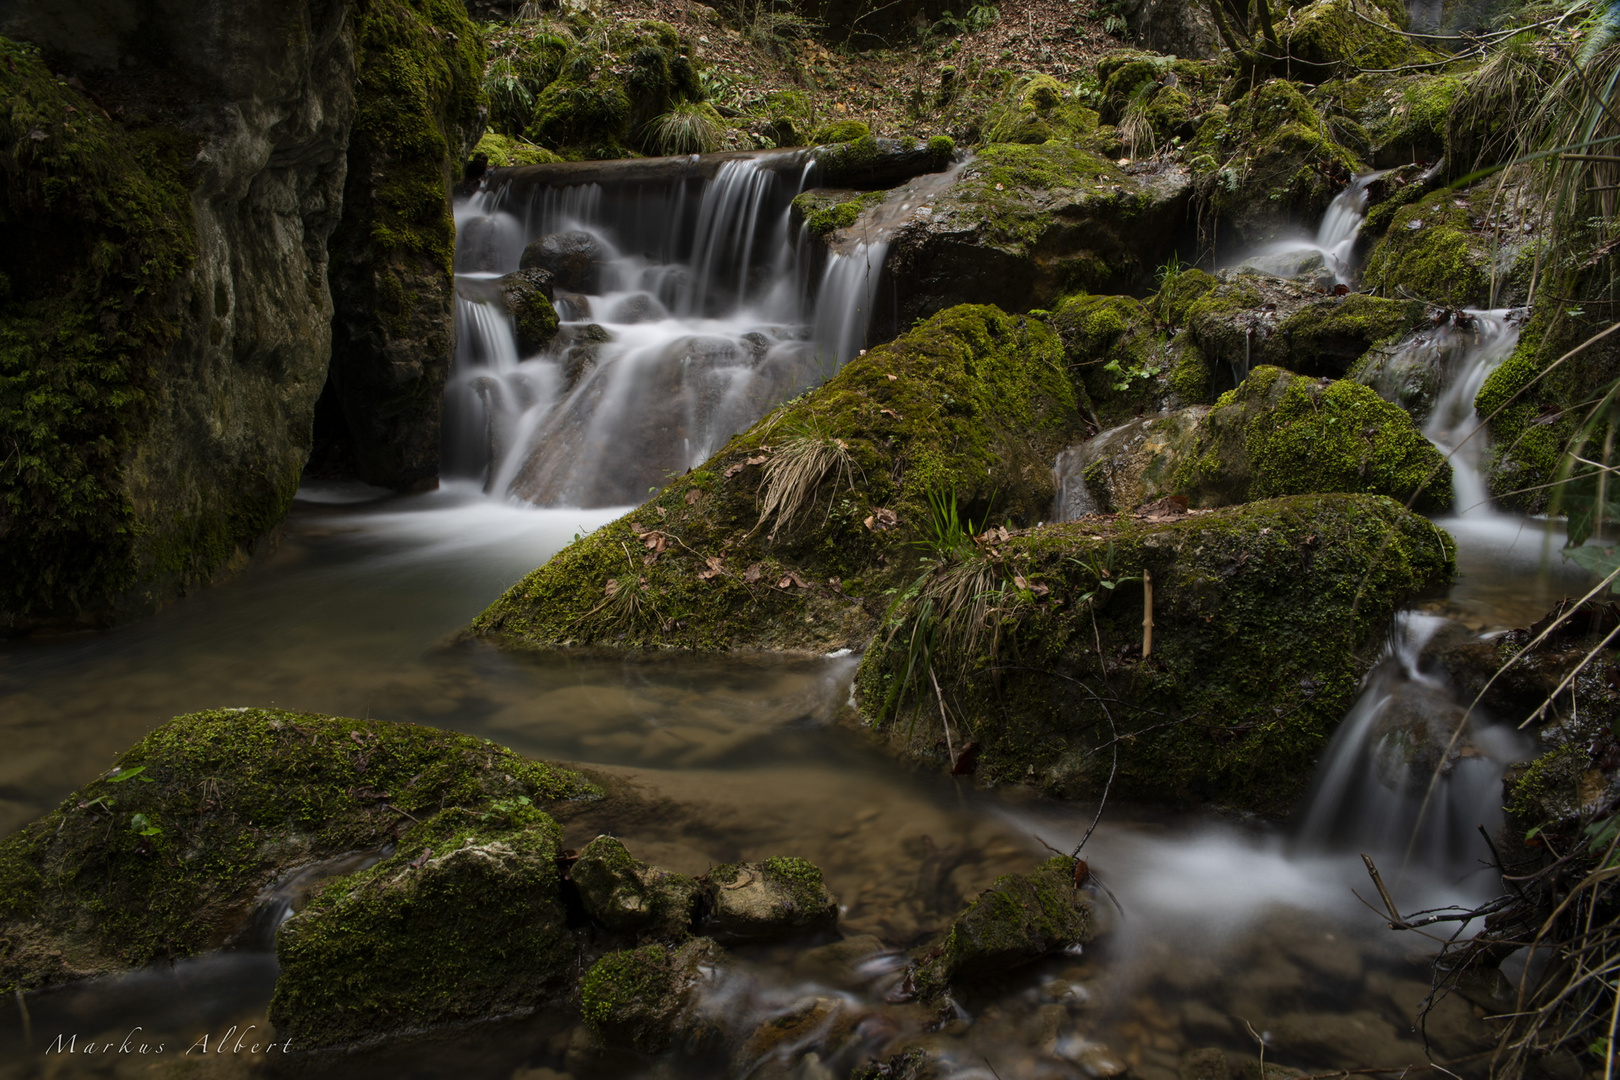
(158,419)
(419,112)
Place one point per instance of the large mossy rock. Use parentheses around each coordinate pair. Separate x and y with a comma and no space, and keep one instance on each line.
(1024,225)
(165,856)
(1269,164)
(419,110)
(628,896)
(1441,249)
(165,198)
(1339,38)
(641,999)
(1265,616)
(465,922)
(1019,919)
(1285,434)
(788,537)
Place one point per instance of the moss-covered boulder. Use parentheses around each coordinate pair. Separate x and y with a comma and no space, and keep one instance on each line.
(867,163)
(1024,225)
(1269,164)
(165,855)
(1019,919)
(1036,108)
(823,211)
(506,151)
(1126,466)
(628,896)
(1339,38)
(1430,251)
(641,999)
(465,922)
(1265,617)
(776,898)
(1284,434)
(1117,353)
(419,109)
(788,537)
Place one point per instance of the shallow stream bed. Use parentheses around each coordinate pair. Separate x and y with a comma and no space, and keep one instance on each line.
(1226,933)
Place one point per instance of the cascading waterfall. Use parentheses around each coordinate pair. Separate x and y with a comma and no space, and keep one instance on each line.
(697,313)
(1479,341)
(1334,242)
(1411,774)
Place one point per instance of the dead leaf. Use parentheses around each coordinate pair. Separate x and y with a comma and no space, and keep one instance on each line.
(752,574)
(650,560)
(734,470)
(663,513)
(894,378)
(792,579)
(1166,509)
(637,528)
(716,567)
(890,413)
(760,460)
(421,860)
(882,520)
(655,541)
(837,584)
(692,496)
(611,588)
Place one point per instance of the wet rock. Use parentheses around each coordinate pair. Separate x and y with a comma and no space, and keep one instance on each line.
(1178,27)
(1024,224)
(819,1026)
(575,260)
(1257,649)
(625,895)
(473,907)
(229,801)
(1207,1064)
(1124,467)
(1332,38)
(779,897)
(1019,919)
(866,163)
(528,296)
(636,308)
(1361,1036)
(914,1064)
(642,998)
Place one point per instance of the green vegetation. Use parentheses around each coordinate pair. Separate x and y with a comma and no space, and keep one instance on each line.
(99,233)
(237,797)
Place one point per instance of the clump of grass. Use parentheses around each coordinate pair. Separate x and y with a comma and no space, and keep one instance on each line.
(689,127)
(795,474)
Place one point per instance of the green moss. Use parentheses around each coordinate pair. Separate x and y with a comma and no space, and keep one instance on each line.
(842,131)
(1019,919)
(463,924)
(1549,791)
(1037,108)
(824,212)
(507,151)
(238,795)
(1335,37)
(1173,302)
(99,232)
(1429,252)
(1266,617)
(1329,335)
(635,998)
(1281,434)
(1114,352)
(801,877)
(979,404)
(625,895)
(1414,125)
(941,146)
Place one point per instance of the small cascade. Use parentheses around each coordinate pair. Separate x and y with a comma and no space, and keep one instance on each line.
(695,313)
(1410,774)
(1332,249)
(1477,341)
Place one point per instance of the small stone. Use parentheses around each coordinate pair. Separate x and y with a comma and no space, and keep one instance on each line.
(775,898)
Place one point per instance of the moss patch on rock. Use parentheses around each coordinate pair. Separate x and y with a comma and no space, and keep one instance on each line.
(1332,38)
(464,923)
(164,856)
(99,233)
(826,211)
(1266,617)
(626,895)
(779,897)
(1429,251)
(1019,919)
(788,536)
(638,998)
(505,151)
(1282,434)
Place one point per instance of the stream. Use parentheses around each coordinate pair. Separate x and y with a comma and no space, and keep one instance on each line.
(1226,933)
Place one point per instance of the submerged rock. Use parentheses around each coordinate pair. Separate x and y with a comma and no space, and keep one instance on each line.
(776,898)
(1265,617)
(1021,918)
(625,895)
(164,856)
(642,999)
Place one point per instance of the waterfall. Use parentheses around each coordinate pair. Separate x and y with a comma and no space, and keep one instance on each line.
(1478,341)
(1410,775)
(700,311)
(1331,249)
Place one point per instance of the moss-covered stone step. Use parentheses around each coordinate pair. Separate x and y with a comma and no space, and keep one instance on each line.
(1265,617)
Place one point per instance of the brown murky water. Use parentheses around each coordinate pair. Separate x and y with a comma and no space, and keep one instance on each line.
(1222,928)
